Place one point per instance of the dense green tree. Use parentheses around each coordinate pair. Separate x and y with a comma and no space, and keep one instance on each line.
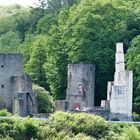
(9,42)
(6,24)
(86,33)
(133,63)
(56,64)
(9,39)
(6,11)
(132,21)
(37,13)
(34,67)
(26,47)
(55,6)
(91,37)
(45,23)
(15,18)
(22,22)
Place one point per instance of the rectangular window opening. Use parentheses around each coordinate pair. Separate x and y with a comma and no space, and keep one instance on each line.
(2,86)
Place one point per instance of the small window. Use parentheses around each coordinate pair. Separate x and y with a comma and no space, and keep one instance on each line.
(80,88)
(120,90)
(2,66)
(2,86)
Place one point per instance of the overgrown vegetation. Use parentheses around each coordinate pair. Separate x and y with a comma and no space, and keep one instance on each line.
(66,126)
(4,112)
(43,99)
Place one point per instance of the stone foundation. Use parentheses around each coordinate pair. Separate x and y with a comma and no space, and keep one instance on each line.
(61,105)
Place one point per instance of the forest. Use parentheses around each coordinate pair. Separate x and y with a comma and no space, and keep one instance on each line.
(58,32)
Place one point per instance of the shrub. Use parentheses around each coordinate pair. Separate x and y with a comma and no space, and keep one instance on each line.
(19,129)
(136,117)
(52,134)
(130,133)
(7,128)
(4,112)
(82,136)
(66,126)
(88,124)
(44,100)
(114,130)
(27,129)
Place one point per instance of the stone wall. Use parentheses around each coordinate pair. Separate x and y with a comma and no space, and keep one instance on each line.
(61,105)
(120,90)
(16,93)
(10,65)
(106,114)
(23,102)
(81,84)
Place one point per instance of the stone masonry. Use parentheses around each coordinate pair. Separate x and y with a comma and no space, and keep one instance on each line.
(119,92)
(81,84)
(16,93)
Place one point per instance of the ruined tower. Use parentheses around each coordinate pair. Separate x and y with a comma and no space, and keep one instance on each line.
(81,84)
(16,93)
(120,90)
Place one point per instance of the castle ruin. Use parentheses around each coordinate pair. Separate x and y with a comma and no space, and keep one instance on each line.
(119,92)
(81,85)
(16,93)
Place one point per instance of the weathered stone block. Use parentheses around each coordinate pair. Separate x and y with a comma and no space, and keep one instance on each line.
(61,105)
(120,91)
(81,84)
(14,84)
(105,104)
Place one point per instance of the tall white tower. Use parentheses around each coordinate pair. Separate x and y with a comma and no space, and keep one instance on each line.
(120,91)
(119,64)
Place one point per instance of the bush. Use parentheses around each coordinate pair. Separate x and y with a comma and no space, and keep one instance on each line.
(82,136)
(114,130)
(66,126)
(44,100)
(7,128)
(19,129)
(62,125)
(88,124)
(130,133)
(27,129)
(64,135)
(136,117)
(4,112)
